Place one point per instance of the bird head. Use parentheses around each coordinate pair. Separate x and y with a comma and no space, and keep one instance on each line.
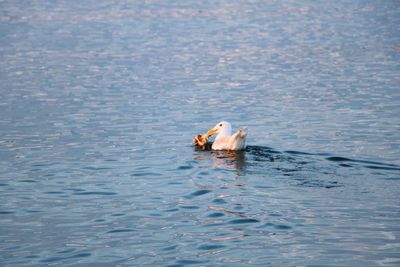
(222,128)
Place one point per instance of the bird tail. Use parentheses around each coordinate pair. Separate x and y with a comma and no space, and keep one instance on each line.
(241,133)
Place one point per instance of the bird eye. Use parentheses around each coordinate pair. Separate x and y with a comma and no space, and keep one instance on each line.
(220,125)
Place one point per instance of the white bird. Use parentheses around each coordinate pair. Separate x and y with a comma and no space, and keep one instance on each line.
(225,140)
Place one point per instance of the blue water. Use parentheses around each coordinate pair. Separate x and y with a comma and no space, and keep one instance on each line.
(100,101)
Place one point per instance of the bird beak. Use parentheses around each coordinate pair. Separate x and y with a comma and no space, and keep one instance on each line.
(212,132)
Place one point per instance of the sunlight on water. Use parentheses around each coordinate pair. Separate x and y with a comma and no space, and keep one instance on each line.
(100,101)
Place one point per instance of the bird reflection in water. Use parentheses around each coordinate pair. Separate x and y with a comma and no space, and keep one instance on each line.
(224,159)
(228,171)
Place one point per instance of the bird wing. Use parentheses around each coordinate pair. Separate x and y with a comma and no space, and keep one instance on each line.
(241,133)
(221,143)
(234,142)
(238,140)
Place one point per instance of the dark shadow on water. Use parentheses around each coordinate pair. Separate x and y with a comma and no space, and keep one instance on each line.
(346,162)
(296,164)
(262,153)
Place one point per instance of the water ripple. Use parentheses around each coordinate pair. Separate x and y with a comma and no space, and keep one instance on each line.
(100,101)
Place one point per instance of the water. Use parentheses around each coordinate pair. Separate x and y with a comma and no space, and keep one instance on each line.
(100,101)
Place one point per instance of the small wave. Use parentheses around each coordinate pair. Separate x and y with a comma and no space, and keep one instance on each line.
(120,231)
(246,220)
(96,193)
(210,247)
(57,258)
(6,212)
(298,152)
(366,163)
(189,207)
(197,193)
(383,168)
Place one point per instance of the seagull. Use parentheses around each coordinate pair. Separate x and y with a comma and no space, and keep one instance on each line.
(225,140)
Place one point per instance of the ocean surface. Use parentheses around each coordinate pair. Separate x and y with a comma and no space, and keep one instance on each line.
(100,101)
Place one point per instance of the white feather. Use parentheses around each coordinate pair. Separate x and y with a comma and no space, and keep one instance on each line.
(225,140)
